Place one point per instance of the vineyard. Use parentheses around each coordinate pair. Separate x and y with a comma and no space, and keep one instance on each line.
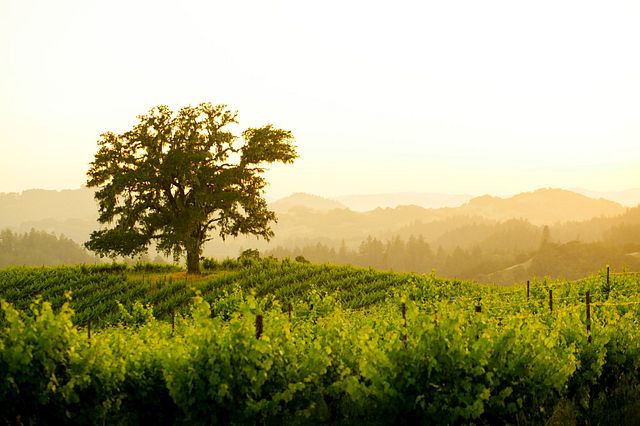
(283,342)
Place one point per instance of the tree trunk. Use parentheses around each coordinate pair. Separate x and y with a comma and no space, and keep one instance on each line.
(193,259)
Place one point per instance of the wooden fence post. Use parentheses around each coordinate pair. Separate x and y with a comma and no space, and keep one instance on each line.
(588,300)
(89,331)
(607,276)
(527,290)
(173,321)
(551,301)
(404,318)
(310,311)
(259,326)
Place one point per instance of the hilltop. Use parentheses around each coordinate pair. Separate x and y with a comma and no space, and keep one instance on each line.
(305,201)
(543,206)
(41,208)
(431,200)
(628,198)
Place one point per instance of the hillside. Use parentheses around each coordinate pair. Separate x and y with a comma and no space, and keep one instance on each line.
(39,204)
(98,288)
(75,211)
(72,212)
(542,207)
(473,241)
(272,342)
(305,201)
(40,248)
(571,261)
(628,198)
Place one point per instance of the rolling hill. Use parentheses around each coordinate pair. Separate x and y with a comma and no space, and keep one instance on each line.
(543,207)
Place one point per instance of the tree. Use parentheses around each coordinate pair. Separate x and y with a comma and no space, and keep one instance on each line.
(546,235)
(176,178)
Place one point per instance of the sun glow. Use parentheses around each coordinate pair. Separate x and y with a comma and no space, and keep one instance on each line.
(458,96)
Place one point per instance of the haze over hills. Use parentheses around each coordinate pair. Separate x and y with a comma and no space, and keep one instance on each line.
(367,202)
(70,212)
(543,206)
(304,216)
(487,238)
(34,205)
(628,198)
(306,201)
(471,224)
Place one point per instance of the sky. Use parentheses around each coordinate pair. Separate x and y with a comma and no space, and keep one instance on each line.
(451,96)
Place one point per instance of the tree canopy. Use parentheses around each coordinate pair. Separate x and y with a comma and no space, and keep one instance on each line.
(38,247)
(180,178)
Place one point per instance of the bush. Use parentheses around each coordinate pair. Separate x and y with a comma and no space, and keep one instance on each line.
(249,257)
(104,268)
(210,264)
(155,267)
(48,371)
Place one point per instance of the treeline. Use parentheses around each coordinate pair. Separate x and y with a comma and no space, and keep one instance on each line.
(40,248)
(413,254)
(570,260)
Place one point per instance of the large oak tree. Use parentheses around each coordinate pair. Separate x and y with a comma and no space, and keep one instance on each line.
(180,178)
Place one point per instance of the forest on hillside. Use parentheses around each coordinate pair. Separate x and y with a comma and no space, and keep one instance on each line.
(500,252)
(571,260)
(488,239)
(40,248)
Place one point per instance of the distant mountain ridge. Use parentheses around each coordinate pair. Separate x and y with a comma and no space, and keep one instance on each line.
(305,217)
(489,238)
(543,206)
(308,201)
(628,197)
(41,204)
(430,200)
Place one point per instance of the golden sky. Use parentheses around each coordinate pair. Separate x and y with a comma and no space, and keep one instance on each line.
(449,96)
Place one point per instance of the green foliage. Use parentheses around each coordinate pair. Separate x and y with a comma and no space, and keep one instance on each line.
(210,264)
(417,352)
(250,254)
(39,248)
(103,268)
(176,178)
(48,374)
(138,314)
(248,257)
(150,267)
(467,247)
